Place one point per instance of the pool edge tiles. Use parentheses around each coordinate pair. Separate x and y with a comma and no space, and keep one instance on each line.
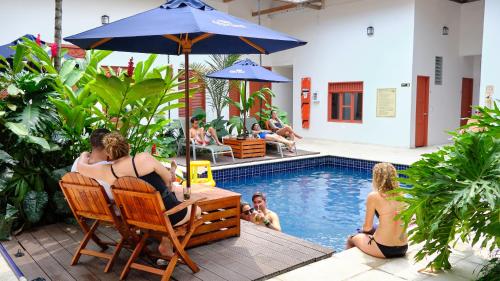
(295,164)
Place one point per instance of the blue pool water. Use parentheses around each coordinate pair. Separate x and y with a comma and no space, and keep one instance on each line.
(322,205)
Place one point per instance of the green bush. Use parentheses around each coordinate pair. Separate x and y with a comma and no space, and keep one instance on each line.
(454,193)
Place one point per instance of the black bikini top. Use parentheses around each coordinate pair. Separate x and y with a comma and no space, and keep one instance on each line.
(152,178)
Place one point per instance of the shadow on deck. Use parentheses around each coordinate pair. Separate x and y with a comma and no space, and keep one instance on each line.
(258,254)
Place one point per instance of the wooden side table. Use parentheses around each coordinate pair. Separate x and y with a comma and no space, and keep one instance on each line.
(246,148)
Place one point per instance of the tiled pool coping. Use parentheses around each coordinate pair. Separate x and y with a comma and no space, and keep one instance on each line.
(295,164)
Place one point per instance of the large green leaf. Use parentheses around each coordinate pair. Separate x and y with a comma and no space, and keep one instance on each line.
(145,89)
(110,90)
(40,141)
(17,128)
(34,204)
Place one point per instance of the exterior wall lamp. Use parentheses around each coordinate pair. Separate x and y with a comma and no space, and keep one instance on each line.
(370,31)
(104,19)
(446,30)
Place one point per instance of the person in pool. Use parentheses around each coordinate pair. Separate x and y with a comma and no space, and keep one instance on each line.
(389,240)
(246,212)
(268,135)
(263,215)
(143,166)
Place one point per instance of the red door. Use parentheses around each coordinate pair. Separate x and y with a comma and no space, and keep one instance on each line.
(422,111)
(255,86)
(466,111)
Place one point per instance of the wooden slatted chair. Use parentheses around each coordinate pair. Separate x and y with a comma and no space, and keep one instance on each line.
(141,205)
(88,201)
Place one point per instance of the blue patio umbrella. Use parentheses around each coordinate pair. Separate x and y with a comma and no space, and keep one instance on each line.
(247,70)
(8,52)
(185,27)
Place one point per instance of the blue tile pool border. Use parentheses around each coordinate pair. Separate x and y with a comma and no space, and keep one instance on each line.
(296,164)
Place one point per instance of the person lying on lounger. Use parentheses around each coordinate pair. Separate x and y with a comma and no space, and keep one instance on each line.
(280,128)
(202,137)
(389,240)
(143,166)
(268,135)
(263,215)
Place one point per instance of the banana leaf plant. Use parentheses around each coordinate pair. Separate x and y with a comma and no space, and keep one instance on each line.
(244,106)
(454,193)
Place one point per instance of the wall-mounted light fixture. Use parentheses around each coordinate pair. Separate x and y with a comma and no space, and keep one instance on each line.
(370,31)
(446,30)
(104,19)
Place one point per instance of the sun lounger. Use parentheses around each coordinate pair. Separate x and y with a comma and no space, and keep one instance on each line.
(279,146)
(214,149)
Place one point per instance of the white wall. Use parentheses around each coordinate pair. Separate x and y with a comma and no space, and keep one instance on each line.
(490,73)
(284,91)
(471,28)
(339,50)
(445,99)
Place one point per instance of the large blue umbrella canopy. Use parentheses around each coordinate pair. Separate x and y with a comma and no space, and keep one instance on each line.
(248,70)
(185,27)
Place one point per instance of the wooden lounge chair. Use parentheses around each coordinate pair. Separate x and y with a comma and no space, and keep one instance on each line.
(88,201)
(214,149)
(279,146)
(142,206)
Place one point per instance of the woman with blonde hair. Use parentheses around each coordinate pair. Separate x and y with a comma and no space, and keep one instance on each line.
(389,240)
(143,166)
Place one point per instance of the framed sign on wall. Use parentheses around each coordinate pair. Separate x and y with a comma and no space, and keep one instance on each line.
(386,102)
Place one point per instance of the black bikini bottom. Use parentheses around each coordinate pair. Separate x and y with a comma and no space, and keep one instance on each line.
(390,251)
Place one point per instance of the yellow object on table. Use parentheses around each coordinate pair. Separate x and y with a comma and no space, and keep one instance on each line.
(195,173)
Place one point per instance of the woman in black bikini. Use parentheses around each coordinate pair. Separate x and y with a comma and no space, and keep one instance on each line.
(389,240)
(143,166)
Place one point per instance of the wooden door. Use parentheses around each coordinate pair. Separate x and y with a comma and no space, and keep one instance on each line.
(197,100)
(234,94)
(466,108)
(255,86)
(422,111)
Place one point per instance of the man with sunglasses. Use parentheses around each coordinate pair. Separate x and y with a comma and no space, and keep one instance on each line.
(263,215)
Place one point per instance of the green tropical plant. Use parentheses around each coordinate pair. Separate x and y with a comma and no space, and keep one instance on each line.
(266,114)
(218,89)
(244,106)
(454,193)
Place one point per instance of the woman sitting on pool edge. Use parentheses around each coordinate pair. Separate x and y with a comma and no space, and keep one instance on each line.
(268,135)
(389,240)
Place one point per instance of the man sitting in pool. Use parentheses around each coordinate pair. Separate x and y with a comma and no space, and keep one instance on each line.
(268,135)
(202,137)
(264,216)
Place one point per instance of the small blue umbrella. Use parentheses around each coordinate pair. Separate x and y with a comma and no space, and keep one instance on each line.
(185,27)
(8,52)
(247,70)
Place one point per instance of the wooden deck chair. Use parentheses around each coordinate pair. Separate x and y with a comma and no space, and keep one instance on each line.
(141,205)
(88,201)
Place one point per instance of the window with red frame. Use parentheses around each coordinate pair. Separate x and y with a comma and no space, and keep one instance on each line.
(345,102)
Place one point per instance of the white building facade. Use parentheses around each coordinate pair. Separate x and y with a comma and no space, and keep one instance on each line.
(400,57)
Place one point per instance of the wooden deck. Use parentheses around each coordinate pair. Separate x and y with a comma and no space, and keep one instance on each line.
(258,254)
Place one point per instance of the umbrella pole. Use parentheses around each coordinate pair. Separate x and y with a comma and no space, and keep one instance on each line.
(245,116)
(186,113)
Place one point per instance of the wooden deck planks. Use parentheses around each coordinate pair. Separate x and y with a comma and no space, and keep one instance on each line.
(258,253)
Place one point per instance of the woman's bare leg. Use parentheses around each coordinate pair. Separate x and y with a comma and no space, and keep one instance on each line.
(281,139)
(286,131)
(293,132)
(362,241)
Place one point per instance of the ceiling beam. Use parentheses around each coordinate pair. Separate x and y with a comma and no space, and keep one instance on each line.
(312,4)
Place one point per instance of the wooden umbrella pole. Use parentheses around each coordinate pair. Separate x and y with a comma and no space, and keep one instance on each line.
(186,111)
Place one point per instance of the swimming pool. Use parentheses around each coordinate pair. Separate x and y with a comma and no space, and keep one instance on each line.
(322,203)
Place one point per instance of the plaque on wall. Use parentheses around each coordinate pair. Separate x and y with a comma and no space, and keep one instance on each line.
(386,102)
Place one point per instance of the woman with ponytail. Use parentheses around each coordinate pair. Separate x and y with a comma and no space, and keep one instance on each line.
(143,166)
(389,240)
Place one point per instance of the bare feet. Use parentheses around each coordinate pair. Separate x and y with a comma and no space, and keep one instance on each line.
(165,248)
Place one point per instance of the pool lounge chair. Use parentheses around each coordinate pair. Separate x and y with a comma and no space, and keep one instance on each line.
(214,149)
(279,146)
